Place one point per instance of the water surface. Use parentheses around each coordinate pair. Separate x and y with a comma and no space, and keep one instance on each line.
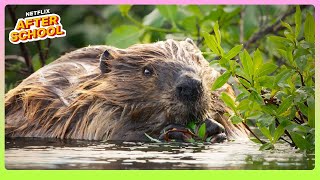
(33,153)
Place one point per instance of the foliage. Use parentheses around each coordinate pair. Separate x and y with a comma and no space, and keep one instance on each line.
(265,52)
(118,26)
(278,100)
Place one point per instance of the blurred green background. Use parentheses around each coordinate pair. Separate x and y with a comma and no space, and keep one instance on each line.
(122,26)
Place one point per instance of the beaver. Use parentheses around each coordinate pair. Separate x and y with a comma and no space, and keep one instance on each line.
(106,93)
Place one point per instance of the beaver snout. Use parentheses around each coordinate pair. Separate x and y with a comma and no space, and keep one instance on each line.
(189,90)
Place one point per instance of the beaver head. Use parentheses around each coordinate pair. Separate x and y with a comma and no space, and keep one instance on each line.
(156,84)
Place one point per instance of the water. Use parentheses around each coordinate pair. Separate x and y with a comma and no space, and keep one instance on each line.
(31,153)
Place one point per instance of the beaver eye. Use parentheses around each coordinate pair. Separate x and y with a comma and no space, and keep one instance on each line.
(147,71)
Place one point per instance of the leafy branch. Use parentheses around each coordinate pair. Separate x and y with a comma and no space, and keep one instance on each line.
(268,96)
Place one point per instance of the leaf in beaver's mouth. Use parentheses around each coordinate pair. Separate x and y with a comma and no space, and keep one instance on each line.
(202,131)
(192,126)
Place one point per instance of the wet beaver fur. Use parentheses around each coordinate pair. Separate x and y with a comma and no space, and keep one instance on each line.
(106,93)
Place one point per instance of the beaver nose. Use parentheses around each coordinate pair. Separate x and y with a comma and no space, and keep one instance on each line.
(189,90)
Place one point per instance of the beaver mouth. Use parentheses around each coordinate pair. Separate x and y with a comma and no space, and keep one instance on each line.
(214,132)
(191,112)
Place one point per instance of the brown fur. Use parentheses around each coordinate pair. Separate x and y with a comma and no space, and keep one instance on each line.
(71,98)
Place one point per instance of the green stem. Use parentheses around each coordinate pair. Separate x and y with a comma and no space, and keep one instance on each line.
(161,29)
(135,21)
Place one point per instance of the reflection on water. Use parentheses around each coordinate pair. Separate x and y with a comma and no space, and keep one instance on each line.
(31,153)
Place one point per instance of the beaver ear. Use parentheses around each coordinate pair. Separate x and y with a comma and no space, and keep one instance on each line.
(190,41)
(105,56)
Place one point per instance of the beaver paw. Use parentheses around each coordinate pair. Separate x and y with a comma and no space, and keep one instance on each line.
(219,138)
(214,130)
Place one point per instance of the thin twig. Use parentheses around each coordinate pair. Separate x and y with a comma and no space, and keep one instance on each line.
(238,76)
(46,53)
(287,133)
(301,120)
(271,28)
(41,55)
(287,141)
(247,127)
(301,77)
(23,47)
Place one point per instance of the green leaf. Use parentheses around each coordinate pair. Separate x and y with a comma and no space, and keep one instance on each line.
(195,10)
(289,36)
(257,60)
(220,81)
(253,139)
(189,24)
(124,9)
(190,140)
(233,52)
(236,119)
(285,105)
(301,63)
(280,42)
(153,19)
(202,131)
(227,64)
(241,96)
(265,120)
(311,112)
(124,36)
(169,12)
(228,101)
(299,141)
(266,69)
(294,127)
(244,105)
(282,76)
(254,96)
(192,125)
(211,42)
(287,26)
(278,133)
(290,56)
(266,146)
(244,82)
(297,18)
(247,63)
(303,108)
(309,28)
(217,33)
(266,81)
(152,139)
(265,131)
(270,109)
(209,139)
